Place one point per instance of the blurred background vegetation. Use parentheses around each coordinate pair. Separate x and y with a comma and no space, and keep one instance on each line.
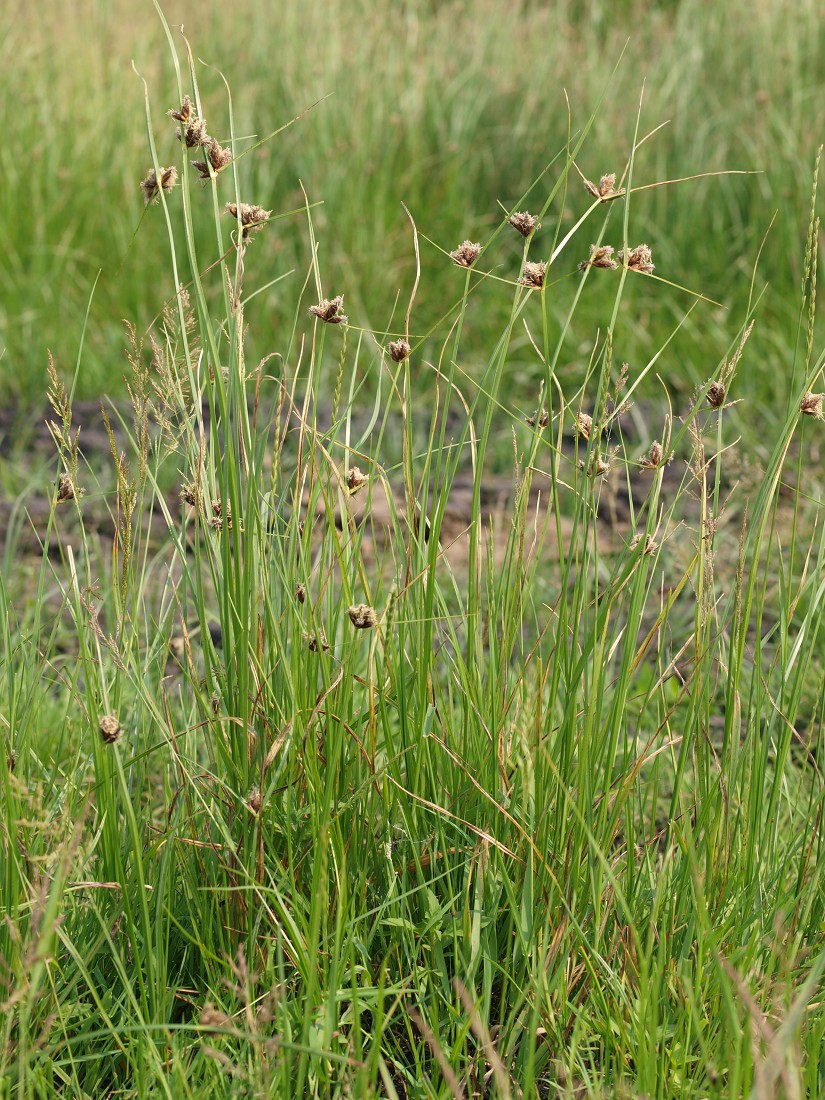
(453,107)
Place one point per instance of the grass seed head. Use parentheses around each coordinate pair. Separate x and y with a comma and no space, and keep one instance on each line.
(811,405)
(65,489)
(524,223)
(218,159)
(716,395)
(650,546)
(399,350)
(330,310)
(639,258)
(151,185)
(362,616)
(185,113)
(466,254)
(584,425)
(600,256)
(316,643)
(110,729)
(655,457)
(355,479)
(194,135)
(251,217)
(542,420)
(301,593)
(533,275)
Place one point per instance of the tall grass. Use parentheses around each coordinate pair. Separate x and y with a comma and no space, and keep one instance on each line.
(344,789)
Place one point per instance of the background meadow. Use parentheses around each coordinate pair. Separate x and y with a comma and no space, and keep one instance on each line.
(425,701)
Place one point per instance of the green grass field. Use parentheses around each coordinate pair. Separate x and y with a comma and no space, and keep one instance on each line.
(418,694)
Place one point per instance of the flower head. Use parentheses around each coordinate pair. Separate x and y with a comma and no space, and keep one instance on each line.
(362,616)
(185,112)
(152,184)
(110,728)
(194,134)
(524,223)
(329,310)
(399,350)
(218,159)
(466,254)
(355,479)
(533,275)
(251,217)
(600,256)
(811,405)
(639,258)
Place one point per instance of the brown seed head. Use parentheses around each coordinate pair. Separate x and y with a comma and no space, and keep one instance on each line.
(584,425)
(218,159)
(251,217)
(190,495)
(466,254)
(185,112)
(599,466)
(355,479)
(606,185)
(542,420)
(329,310)
(716,395)
(362,616)
(316,643)
(639,258)
(650,546)
(399,350)
(524,223)
(811,405)
(151,186)
(301,593)
(110,728)
(194,135)
(254,800)
(65,489)
(600,256)
(533,275)
(654,457)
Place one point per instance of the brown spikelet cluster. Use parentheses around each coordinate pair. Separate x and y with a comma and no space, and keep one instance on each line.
(152,184)
(541,421)
(399,350)
(65,489)
(656,457)
(716,395)
(251,217)
(301,593)
(606,189)
(316,643)
(185,113)
(583,425)
(110,728)
(362,616)
(330,310)
(194,135)
(524,223)
(218,516)
(650,545)
(355,479)
(190,494)
(466,254)
(217,159)
(600,256)
(533,275)
(812,405)
(639,258)
(254,800)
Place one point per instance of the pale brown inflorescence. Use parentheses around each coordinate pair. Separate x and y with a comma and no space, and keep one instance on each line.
(330,310)
(251,217)
(524,223)
(466,254)
(218,159)
(542,420)
(362,616)
(716,395)
(194,135)
(584,425)
(600,256)
(811,405)
(65,488)
(399,350)
(110,728)
(639,258)
(185,113)
(355,479)
(533,275)
(152,184)
(606,189)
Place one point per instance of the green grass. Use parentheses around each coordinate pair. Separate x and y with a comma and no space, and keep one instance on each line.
(550,823)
